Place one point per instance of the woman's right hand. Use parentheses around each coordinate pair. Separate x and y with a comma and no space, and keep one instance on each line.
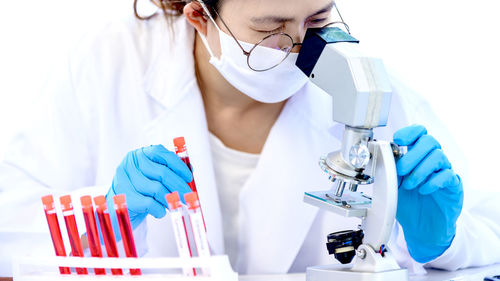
(145,176)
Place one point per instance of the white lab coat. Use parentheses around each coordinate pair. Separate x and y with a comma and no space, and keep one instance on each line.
(134,85)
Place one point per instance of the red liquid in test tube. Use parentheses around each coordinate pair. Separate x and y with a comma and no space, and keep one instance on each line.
(181,151)
(126,229)
(107,230)
(92,233)
(74,237)
(55,231)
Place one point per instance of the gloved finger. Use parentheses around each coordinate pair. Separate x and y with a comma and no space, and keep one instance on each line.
(417,153)
(435,161)
(457,188)
(161,155)
(145,186)
(170,180)
(443,179)
(137,202)
(408,135)
(149,205)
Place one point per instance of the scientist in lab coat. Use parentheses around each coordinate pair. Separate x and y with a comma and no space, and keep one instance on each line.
(254,138)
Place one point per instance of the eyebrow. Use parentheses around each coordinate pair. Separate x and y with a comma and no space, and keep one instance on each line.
(278,19)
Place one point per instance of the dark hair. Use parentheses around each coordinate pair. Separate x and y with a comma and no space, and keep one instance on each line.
(174,8)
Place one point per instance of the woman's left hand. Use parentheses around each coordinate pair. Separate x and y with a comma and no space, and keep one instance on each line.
(430,195)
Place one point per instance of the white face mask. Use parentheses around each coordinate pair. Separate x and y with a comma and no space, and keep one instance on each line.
(270,86)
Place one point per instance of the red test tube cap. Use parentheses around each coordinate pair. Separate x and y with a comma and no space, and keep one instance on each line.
(86,201)
(192,200)
(173,200)
(119,200)
(48,202)
(100,202)
(66,202)
(180,144)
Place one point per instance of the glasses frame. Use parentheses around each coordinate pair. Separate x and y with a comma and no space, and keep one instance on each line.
(294,44)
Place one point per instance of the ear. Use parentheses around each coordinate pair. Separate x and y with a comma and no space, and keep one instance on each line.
(196,17)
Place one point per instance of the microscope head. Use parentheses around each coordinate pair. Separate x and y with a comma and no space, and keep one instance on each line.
(359,85)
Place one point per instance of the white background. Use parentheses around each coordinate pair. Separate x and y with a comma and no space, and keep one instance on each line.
(447,50)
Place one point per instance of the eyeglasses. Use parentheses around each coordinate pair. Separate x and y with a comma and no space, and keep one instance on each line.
(281,43)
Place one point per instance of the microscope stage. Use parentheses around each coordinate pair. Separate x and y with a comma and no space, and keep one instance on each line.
(351,204)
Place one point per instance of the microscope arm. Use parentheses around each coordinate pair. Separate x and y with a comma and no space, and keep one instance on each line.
(379,221)
(378,224)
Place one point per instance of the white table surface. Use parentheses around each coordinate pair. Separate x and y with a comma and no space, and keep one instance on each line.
(471,274)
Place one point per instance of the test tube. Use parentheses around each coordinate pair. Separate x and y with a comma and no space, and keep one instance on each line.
(180,230)
(107,230)
(197,225)
(126,229)
(181,151)
(55,231)
(92,233)
(74,237)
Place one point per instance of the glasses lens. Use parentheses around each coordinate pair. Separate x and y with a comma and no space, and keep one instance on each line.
(270,52)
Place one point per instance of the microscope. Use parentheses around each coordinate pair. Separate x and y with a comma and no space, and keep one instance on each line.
(361,92)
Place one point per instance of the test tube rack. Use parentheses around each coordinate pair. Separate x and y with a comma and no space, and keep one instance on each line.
(46,268)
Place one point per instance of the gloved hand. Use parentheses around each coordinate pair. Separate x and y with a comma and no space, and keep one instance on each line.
(430,195)
(145,176)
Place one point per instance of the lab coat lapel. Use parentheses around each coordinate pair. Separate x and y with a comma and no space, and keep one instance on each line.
(172,83)
(274,220)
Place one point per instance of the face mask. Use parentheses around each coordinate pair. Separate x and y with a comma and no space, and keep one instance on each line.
(270,86)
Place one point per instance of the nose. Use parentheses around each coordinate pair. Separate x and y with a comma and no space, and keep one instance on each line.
(298,38)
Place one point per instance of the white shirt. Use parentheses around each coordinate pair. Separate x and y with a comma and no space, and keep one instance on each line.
(232,169)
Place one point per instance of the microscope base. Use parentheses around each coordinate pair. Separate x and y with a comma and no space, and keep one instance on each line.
(344,273)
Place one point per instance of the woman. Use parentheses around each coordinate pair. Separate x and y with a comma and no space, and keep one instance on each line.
(254,138)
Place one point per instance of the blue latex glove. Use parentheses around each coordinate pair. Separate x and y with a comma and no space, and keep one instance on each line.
(145,176)
(430,194)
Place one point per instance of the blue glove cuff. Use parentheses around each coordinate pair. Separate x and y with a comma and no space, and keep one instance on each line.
(423,253)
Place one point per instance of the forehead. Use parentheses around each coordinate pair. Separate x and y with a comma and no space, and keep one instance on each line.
(297,9)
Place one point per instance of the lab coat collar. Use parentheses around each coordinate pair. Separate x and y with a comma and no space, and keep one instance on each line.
(172,61)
